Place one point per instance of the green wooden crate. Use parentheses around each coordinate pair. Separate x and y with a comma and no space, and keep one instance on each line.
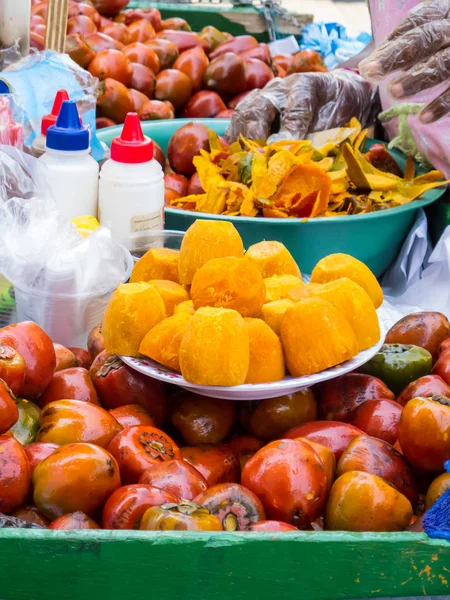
(237,21)
(110,565)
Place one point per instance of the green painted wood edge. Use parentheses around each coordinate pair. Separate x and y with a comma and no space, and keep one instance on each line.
(199,16)
(105,565)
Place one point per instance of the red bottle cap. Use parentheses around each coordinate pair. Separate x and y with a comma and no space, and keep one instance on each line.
(132,146)
(50,119)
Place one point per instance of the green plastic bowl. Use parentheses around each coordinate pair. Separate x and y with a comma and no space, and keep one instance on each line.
(375,238)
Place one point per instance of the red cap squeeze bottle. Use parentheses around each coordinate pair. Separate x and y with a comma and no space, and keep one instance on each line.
(50,119)
(131,189)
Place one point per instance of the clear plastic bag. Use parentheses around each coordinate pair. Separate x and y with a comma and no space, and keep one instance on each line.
(62,280)
(11,122)
(34,81)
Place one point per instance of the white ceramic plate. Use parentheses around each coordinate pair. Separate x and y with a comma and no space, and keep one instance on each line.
(250,391)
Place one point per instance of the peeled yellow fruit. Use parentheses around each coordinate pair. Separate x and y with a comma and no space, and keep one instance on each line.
(336,266)
(229,283)
(354,303)
(316,336)
(157,263)
(205,240)
(172,293)
(215,349)
(301,292)
(266,354)
(134,308)
(184,307)
(278,286)
(162,343)
(272,258)
(272,313)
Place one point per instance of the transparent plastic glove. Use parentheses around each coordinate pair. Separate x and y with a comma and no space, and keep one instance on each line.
(419,47)
(305,103)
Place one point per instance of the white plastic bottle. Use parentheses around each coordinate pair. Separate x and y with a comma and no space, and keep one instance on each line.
(38,145)
(131,189)
(72,172)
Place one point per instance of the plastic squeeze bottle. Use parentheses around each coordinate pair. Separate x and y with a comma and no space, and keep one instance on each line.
(47,121)
(72,172)
(131,189)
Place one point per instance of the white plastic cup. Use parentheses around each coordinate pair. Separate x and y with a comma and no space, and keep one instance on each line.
(67,318)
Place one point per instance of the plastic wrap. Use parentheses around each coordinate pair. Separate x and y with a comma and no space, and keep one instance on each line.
(11,122)
(305,103)
(332,41)
(46,73)
(10,55)
(418,50)
(62,280)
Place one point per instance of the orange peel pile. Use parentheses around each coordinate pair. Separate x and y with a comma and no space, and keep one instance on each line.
(326,176)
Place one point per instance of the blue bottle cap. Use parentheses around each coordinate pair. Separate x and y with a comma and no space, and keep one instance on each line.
(68,134)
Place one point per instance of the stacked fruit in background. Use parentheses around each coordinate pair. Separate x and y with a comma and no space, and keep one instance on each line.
(87,444)
(160,68)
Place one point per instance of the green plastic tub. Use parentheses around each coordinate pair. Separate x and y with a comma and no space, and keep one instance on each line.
(375,238)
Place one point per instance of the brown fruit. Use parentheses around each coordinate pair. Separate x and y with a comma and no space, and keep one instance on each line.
(141,31)
(271,418)
(174,86)
(193,63)
(143,79)
(138,98)
(425,329)
(226,75)
(375,456)
(144,55)
(203,105)
(257,73)
(238,45)
(225,114)
(114,100)
(109,8)
(202,420)
(166,51)
(100,41)
(176,23)
(102,122)
(119,32)
(159,155)
(79,50)
(186,143)
(112,64)
(195,187)
(184,40)
(154,110)
(84,8)
(81,24)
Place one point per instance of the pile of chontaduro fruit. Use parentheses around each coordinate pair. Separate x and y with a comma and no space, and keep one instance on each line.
(86,442)
(160,68)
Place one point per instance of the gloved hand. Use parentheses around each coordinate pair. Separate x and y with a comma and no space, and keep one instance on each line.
(419,46)
(305,103)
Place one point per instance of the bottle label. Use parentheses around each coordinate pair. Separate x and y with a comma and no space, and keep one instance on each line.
(142,224)
(147,222)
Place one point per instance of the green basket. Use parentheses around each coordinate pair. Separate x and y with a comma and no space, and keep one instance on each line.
(375,238)
(237,20)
